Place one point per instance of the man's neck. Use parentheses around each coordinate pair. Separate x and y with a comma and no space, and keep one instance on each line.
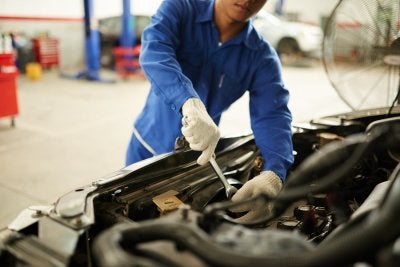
(227,28)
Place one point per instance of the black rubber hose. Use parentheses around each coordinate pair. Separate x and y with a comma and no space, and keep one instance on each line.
(187,237)
(108,252)
(339,158)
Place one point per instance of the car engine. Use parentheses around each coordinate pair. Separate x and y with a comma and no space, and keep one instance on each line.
(338,207)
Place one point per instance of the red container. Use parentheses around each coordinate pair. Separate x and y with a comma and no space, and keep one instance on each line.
(8,95)
(127,61)
(7,60)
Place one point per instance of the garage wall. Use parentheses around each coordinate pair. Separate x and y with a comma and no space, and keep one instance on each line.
(45,8)
(58,19)
(68,32)
(72,8)
(62,20)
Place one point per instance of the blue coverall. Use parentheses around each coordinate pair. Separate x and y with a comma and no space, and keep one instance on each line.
(182,58)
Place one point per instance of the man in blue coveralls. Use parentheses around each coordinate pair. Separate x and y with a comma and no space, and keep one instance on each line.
(200,56)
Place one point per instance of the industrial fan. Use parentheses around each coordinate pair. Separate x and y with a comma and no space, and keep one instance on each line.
(361,53)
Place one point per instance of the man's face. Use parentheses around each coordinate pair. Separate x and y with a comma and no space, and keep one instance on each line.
(241,10)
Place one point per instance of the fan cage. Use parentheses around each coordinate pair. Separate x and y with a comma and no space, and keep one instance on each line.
(361,52)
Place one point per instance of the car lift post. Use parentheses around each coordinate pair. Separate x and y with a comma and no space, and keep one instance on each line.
(127,38)
(92,46)
(126,54)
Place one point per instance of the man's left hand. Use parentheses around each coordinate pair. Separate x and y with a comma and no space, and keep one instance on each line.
(266,182)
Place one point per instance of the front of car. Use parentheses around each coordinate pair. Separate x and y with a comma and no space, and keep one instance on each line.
(289,37)
(308,36)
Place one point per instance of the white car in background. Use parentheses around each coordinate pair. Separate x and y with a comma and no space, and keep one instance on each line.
(289,38)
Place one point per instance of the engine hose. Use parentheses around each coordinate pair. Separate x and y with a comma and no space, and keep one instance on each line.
(108,252)
(291,193)
(332,155)
(340,156)
(186,236)
(322,161)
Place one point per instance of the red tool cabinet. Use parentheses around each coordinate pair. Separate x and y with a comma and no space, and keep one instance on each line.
(127,61)
(46,51)
(8,87)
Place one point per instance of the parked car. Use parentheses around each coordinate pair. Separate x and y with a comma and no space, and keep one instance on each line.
(289,38)
(110,30)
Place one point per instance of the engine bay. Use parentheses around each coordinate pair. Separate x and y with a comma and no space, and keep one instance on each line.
(341,195)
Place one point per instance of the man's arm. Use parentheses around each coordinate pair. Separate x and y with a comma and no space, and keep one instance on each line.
(160,41)
(159,61)
(271,124)
(271,118)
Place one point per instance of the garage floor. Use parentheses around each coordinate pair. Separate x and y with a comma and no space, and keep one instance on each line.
(71,132)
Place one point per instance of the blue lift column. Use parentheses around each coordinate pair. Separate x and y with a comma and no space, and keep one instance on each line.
(127,38)
(126,54)
(92,46)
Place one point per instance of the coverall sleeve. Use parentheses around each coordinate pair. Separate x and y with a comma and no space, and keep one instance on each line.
(271,118)
(158,59)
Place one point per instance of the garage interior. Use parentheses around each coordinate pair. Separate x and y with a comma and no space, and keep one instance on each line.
(71,132)
(71,88)
(72,128)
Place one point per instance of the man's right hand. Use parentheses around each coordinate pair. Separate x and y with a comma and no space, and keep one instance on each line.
(199,129)
(266,182)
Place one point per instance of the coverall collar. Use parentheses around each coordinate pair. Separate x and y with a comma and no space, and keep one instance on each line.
(247,35)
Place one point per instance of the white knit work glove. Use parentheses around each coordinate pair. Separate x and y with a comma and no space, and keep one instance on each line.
(266,182)
(199,129)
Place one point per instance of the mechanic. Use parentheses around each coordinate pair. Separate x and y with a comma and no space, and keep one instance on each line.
(200,56)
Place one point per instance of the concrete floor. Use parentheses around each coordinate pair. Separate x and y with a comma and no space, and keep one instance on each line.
(71,132)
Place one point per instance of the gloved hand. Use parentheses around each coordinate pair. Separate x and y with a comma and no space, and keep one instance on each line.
(266,182)
(199,129)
